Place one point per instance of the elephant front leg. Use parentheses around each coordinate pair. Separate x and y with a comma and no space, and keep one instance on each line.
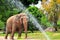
(25,28)
(19,33)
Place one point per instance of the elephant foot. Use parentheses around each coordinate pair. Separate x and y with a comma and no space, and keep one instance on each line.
(12,38)
(25,37)
(5,37)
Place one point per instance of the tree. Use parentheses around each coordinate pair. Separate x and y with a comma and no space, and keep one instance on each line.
(54,15)
(55,11)
(27,2)
(6,10)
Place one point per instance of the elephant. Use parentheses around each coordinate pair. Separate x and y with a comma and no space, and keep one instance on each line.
(16,23)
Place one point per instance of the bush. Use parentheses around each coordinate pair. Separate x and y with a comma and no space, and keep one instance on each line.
(1,24)
(40,16)
(58,23)
(37,14)
(44,21)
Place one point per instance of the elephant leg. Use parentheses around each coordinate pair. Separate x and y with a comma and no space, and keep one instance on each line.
(13,31)
(20,27)
(25,28)
(7,30)
(6,34)
(19,33)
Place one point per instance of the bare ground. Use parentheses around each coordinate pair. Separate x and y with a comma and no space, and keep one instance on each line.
(2,38)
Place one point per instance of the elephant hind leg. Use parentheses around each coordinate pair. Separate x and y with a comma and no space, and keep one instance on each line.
(6,33)
(8,29)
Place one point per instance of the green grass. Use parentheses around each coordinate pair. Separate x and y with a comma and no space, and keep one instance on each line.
(38,35)
(54,35)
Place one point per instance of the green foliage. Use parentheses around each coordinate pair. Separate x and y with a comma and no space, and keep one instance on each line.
(45,21)
(31,27)
(58,23)
(6,10)
(31,0)
(40,16)
(1,24)
(37,14)
(0,17)
(27,2)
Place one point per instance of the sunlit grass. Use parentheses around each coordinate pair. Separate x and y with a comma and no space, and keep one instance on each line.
(38,35)
(54,35)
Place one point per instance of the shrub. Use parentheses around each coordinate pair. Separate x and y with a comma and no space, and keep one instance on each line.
(1,24)
(40,16)
(37,14)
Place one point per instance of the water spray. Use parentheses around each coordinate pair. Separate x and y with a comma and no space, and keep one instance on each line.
(20,6)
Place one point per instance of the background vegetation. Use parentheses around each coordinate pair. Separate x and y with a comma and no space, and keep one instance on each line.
(53,9)
(7,10)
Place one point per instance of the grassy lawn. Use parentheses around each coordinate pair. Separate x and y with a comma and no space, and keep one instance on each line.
(38,36)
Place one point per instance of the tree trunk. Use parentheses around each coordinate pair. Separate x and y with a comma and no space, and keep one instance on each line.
(55,26)
(55,21)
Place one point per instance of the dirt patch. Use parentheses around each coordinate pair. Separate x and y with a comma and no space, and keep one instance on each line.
(2,38)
